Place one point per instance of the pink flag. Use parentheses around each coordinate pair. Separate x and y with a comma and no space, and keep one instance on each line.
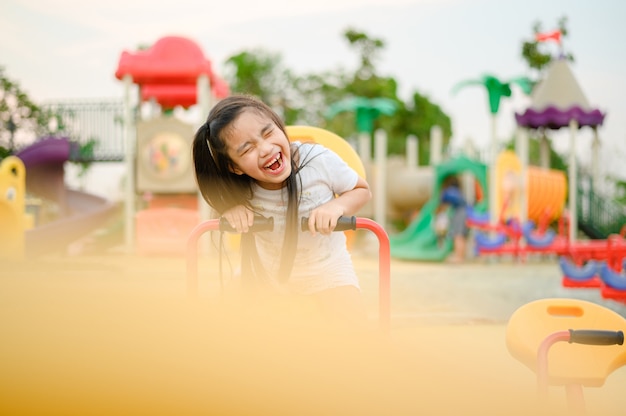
(554,35)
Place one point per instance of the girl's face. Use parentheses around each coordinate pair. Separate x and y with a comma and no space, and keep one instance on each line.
(259,149)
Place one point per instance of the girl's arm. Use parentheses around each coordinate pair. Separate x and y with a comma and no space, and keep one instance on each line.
(324,218)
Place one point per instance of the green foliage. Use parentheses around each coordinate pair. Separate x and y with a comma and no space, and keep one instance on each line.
(414,118)
(620,190)
(419,118)
(19,114)
(4,152)
(368,49)
(305,99)
(259,72)
(535,54)
(83,155)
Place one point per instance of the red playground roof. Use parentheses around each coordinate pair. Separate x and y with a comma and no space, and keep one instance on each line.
(170,63)
(170,96)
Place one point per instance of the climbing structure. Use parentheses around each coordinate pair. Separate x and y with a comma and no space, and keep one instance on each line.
(172,73)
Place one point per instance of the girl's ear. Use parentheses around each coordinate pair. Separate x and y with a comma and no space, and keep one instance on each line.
(234,169)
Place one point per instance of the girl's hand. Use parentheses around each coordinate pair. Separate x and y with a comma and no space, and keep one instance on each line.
(323,219)
(240,218)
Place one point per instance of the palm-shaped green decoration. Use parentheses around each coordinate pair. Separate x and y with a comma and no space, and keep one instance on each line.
(366,110)
(496,89)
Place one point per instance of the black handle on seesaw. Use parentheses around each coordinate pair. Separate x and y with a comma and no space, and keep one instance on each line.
(596,337)
(343,223)
(260,224)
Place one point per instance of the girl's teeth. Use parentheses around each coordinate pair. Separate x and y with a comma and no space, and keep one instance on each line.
(269,165)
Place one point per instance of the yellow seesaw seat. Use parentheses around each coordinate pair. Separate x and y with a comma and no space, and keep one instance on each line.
(568,364)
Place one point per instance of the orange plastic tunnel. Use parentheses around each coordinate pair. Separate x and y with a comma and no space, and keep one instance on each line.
(547,189)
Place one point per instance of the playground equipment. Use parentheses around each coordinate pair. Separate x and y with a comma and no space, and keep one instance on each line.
(558,102)
(546,190)
(173,72)
(597,264)
(543,204)
(594,347)
(165,175)
(163,161)
(408,187)
(419,240)
(546,197)
(77,213)
(584,275)
(613,281)
(496,90)
(519,240)
(13,217)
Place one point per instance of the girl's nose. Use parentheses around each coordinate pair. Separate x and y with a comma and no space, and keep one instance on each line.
(266,148)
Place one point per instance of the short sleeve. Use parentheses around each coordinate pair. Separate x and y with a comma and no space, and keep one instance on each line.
(341,177)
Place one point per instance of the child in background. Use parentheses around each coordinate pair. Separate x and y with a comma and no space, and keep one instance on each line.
(442,223)
(451,196)
(245,165)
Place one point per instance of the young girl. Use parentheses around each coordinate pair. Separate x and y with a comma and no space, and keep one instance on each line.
(245,166)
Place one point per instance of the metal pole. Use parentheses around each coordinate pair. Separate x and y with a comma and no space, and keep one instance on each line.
(493,177)
(129,162)
(595,160)
(380,201)
(573,181)
(436,144)
(412,152)
(522,144)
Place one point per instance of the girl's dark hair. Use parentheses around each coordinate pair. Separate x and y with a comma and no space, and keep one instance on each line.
(223,189)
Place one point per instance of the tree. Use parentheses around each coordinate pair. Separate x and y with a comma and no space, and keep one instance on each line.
(306,99)
(533,51)
(261,73)
(415,118)
(19,115)
(368,49)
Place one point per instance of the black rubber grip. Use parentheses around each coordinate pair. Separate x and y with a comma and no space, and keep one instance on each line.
(596,337)
(343,224)
(260,224)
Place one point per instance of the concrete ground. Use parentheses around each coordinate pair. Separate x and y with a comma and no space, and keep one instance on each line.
(109,333)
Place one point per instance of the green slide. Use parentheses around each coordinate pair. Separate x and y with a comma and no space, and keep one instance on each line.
(419,240)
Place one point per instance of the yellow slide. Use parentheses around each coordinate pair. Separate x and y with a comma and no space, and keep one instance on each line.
(547,189)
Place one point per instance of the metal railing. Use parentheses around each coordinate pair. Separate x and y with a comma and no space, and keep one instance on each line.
(98,121)
(598,216)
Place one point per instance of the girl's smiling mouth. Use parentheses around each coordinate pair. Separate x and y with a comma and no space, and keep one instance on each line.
(275,164)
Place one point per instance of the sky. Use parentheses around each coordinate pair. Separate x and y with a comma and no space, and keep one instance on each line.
(66,49)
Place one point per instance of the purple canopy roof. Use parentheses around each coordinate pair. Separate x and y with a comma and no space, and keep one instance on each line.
(554,118)
(46,150)
(558,100)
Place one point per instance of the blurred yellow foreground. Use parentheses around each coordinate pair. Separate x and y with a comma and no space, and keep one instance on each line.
(117,335)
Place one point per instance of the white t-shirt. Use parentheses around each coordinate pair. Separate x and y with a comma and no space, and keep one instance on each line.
(321,262)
